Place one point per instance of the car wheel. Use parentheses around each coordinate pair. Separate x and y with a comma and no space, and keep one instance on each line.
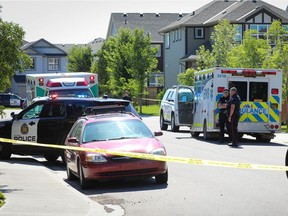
(263,140)
(174,128)
(195,134)
(162,178)
(70,175)
(286,162)
(51,158)
(163,126)
(84,183)
(5,152)
(205,133)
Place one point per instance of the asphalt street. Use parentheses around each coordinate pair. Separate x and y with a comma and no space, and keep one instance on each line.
(191,189)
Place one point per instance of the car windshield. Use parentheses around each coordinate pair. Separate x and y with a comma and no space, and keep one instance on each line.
(82,93)
(115,130)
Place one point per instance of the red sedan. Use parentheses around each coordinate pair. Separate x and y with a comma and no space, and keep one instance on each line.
(115,132)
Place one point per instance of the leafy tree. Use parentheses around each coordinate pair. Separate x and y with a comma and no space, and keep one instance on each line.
(80,59)
(126,61)
(12,58)
(252,53)
(186,78)
(223,39)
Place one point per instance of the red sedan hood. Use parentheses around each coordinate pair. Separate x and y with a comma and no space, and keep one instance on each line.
(141,145)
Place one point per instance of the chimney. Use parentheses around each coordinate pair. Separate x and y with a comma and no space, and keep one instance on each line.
(125,15)
(141,15)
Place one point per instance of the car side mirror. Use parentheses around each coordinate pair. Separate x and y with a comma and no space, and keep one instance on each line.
(73,140)
(158,133)
(13,115)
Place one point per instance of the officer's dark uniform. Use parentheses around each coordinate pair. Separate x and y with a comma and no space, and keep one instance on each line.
(233,125)
(223,117)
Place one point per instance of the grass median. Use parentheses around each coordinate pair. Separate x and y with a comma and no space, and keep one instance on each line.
(2,199)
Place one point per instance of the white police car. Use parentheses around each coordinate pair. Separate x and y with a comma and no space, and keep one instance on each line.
(48,121)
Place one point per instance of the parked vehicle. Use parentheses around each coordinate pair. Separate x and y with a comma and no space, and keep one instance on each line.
(49,121)
(129,134)
(260,91)
(176,108)
(72,84)
(11,100)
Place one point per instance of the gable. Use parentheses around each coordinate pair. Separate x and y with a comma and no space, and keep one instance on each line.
(43,47)
(262,16)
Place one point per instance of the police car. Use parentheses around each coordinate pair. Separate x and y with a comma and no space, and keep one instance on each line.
(48,121)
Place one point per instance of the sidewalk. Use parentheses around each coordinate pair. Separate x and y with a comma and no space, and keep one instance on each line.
(31,189)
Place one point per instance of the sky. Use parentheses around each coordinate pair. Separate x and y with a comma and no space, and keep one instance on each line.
(76,21)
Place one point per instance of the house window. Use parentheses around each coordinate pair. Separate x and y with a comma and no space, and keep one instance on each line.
(54,64)
(199,33)
(167,40)
(179,35)
(260,31)
(176,35)
(173,36)
(33,65)
(239,31)
(158,54)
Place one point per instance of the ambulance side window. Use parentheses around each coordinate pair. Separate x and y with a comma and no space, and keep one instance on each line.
(33,112)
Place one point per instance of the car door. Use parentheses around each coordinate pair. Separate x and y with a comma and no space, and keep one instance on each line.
(185,99)
(25,125)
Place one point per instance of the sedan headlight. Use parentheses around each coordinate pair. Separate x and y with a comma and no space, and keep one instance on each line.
(95,158)
(159,151)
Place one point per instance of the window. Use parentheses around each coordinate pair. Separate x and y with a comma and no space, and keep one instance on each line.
(33,112)
(173,36)
(179,35)
(33,65)
(167,40)
(53,63)
(239,31)
(185,95)
(53,110)
(260,31)
(258,91)
(158,46)
(176,35)
(241,89)
(199,33)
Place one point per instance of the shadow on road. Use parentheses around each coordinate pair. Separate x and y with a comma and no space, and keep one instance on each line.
(118,186)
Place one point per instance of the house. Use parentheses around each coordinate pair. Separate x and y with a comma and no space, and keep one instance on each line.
(150,23)
(183,37)
(46,58)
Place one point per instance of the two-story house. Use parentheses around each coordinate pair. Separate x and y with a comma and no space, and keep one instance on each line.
(183,37)
(151,23)
(46,58)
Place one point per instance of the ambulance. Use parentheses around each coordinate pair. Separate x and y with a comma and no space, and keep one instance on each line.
(72,84)
(260,91)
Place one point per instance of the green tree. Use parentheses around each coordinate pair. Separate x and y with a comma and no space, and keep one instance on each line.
(186,78)
(223,41)
(12,58)
(80,59)
(126,61)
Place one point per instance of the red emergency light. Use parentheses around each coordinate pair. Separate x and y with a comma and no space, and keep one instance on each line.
(92,79)
(41,81)
(53,84)
(82,83)
(274,91)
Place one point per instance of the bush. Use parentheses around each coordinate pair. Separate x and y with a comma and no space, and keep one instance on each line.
(2,199)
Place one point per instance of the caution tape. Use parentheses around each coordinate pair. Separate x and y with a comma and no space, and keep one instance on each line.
(149,99)
(191,161)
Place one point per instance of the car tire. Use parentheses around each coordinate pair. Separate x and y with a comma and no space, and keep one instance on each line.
(5,152)
(84,183)
(263,140)
(162,178)
(174,128)
(51,158)
(205,132)
(195,134)
(163,126)
(70,174)
(286,162)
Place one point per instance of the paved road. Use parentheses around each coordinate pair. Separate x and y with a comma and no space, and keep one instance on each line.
(198,190)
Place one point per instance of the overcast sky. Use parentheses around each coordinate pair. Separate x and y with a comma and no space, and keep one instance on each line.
(79,21)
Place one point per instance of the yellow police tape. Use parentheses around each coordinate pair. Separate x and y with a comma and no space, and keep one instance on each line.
(192,161)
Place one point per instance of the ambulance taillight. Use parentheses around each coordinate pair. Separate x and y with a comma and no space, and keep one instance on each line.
(220,89)
(82,83)
(41,81)
(274,91)
(92,79)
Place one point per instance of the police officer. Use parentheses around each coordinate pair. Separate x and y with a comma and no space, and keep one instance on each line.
(223,115)
(233,109)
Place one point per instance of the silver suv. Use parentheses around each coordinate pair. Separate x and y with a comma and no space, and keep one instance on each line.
(176,108)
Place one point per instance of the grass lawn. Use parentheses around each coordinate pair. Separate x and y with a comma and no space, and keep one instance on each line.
(149,110)
(284,128)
